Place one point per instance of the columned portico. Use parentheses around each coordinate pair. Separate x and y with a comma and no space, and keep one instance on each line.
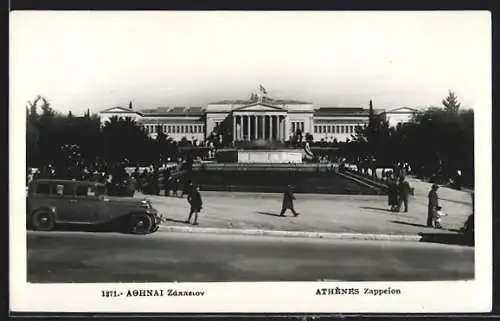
(252,126)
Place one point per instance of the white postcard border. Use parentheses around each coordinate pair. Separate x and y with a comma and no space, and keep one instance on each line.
(279,297)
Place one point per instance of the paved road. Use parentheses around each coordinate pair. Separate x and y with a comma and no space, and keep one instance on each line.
(320,213)
(167,257)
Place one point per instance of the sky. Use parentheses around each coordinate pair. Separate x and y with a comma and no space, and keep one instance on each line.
(98,60)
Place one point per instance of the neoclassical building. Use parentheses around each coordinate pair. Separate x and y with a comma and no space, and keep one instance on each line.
(260,117)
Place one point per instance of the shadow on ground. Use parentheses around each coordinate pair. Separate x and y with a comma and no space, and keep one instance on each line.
(447,238)
(107,228)
(268,213)
(375,208)
(408,223)
(176,221)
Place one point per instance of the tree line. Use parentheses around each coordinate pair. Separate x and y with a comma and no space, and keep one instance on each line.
(437,141)
(63,140)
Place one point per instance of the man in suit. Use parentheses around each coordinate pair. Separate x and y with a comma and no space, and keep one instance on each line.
(404,192)
(432,204)
(194,199)
(288,202)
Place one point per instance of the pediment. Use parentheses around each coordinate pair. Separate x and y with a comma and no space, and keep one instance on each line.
(256,107)
(117,110)
(402,110)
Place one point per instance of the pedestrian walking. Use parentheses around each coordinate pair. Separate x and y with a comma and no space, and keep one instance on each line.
(196,203)
(288,199)
(392,194)
(404,192)
(432,205)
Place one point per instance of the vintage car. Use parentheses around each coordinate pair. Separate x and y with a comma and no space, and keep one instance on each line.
(52,202)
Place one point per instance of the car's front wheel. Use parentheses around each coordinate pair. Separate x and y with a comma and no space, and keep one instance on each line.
(42,221)
(140,223)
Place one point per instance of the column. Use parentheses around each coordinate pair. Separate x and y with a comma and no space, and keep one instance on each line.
(278,127)
(263,126)
(238,128)
(285,128)
(255,127)
(234,128)
(248,127)
(271,120)
(282,122)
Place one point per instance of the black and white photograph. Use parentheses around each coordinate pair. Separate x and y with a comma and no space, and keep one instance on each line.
(244,161)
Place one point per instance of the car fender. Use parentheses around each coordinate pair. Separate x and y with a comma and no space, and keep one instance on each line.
(137,212)
(50,209)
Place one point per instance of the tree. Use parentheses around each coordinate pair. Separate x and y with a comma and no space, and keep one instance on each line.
(46,109)
(370,113)
(123,138)
(451,103)
(32,108)
(309,138)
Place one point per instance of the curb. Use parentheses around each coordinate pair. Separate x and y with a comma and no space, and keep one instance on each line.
(300,234)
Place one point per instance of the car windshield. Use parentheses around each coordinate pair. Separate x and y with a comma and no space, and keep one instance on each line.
(102,190)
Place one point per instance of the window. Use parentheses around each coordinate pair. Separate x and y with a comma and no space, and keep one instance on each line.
(85,190)
(186,129)
(352,129)
(43,188)
(63,189)
(329,129)
(164,128)
(191,128)
(177,129)
(342,129)
(169,129)
(315,129)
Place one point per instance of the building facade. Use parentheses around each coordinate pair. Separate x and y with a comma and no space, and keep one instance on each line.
(399,115)
(258,118)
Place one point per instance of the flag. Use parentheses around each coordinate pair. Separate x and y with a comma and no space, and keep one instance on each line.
(263,90)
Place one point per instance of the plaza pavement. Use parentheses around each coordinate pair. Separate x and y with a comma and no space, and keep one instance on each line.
(318,212)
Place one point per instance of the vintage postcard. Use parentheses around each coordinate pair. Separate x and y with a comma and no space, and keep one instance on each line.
(251,162)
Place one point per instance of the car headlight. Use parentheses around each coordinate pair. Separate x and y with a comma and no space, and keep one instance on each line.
(146,204)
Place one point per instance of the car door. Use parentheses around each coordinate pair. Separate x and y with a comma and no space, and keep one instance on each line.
(63,199)
(87,203)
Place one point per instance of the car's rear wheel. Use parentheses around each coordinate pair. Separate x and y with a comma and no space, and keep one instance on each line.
(42,221)
(140,223)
